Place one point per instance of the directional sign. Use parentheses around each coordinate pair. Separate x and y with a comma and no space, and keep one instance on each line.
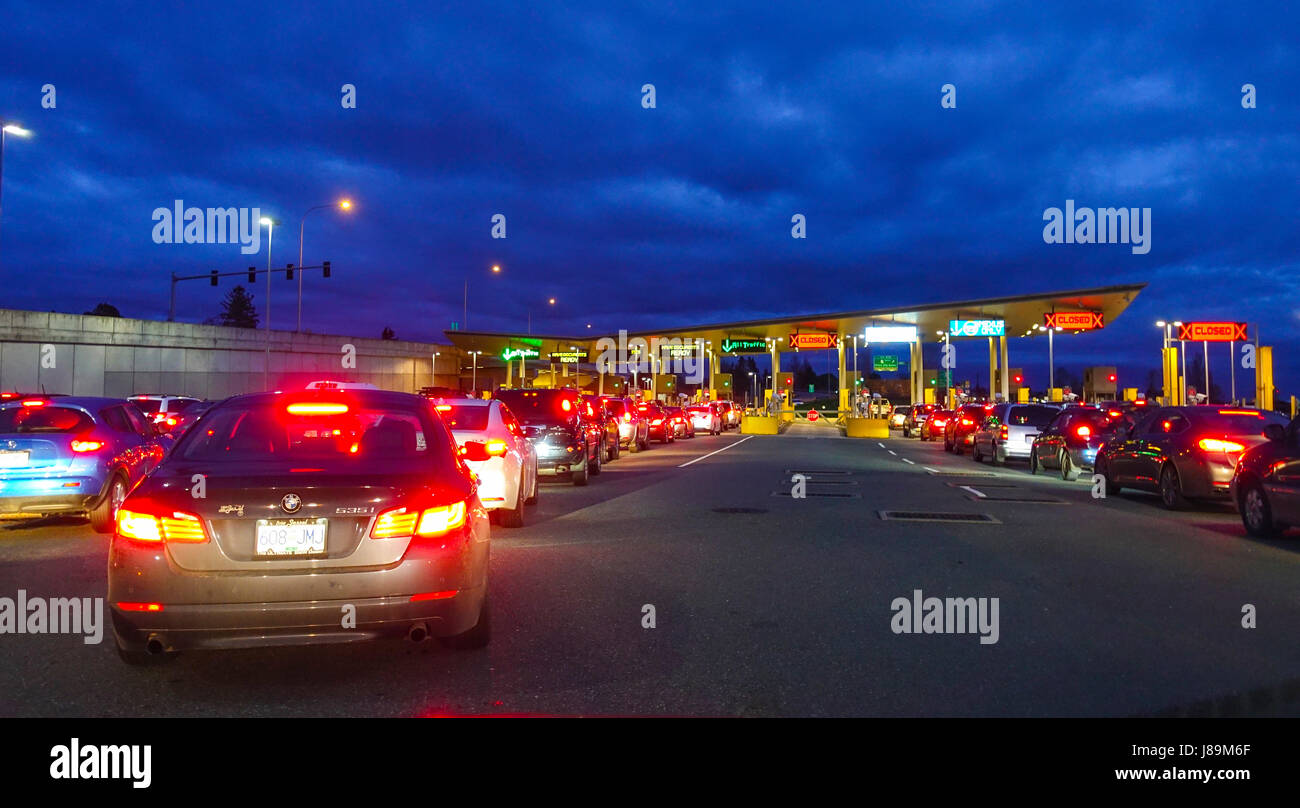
(517,353)
(743,345)
(686,351)
(884,363)
(1213,332)
(813,341)
(977,328)
(1073,320)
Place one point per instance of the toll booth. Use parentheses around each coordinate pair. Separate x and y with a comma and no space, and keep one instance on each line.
(722,388)
(1100,383)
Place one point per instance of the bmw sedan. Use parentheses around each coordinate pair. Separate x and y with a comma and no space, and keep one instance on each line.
(302,518)
(73,455)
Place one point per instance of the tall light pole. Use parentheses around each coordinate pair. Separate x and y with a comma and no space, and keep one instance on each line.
(266,369)
(342,204)
(9,129)
(474,375)
(550,301)
(464,314)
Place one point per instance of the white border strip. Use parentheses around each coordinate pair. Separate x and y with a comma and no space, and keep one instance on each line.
(711,454)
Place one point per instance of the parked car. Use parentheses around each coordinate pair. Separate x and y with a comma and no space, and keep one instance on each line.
(314,502)
(1070,441)
(681,418)
(158,407)
(660,424)
(899,416)
(706,417)
(610,441)
(1184,453)
(935,424)
(73,455)
(633,428)
(567,440)
(1266,484)
(507,478)
(959,432)
(1009,431)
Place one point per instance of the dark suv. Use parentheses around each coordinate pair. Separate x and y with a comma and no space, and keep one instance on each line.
(661,425)
(961,428)
(568,440)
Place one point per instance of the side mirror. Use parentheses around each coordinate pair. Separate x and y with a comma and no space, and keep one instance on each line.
(473,450)
(1275,432)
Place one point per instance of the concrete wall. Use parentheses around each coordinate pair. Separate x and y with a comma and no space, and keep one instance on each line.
(113,356)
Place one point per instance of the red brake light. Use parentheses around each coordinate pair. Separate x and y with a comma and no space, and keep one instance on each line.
(317,408)
(496,448)
(627,416)
(657,422)
(566,405)
(140,607)
(175,527)
(1224,446)
(1004,432)
(403,523)
(442,407)
(34,402)
(1083,431)
(87,445)
(1240,412)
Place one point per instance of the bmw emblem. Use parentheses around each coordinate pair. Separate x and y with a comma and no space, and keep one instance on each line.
(291,503)
(13,444)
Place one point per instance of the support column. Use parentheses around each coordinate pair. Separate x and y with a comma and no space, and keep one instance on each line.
(510,373)
(918,373)
(993,368)
(776,371)
(1006,375)
(523,370)
(844,391)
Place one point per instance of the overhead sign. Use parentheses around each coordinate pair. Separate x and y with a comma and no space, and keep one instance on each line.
(884,363)
(568,357)
(519,353)
(1073,320)
(740,346)
(1213,332)
(977,328)
(889,333)
(813,341)
(679,351)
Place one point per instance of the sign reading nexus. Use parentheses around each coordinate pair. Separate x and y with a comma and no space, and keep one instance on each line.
(977,328)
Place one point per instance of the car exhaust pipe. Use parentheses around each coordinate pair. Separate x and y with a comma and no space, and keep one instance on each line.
(155,645)
(418,633)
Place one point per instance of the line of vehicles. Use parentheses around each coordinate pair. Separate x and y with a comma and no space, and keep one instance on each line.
(1247,456)
(257,520)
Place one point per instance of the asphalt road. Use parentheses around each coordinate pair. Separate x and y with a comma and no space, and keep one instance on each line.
(765,604)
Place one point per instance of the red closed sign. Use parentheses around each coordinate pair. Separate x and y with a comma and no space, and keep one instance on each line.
(1212,332)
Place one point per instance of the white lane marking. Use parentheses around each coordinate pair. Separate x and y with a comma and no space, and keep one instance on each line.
(711,454)
(892,452)
(927,468)
(905,460)
(881,444)
(979,494)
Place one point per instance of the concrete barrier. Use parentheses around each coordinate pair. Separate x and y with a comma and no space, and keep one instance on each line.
(760,425)
(867,428)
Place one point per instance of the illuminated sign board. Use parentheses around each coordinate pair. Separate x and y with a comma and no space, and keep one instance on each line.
(977,328)
(889,333)
(739,346)
(519,353)
(1073,320)
(679,351)
(568,357)
(813,341)
(884,363)
(1213,332)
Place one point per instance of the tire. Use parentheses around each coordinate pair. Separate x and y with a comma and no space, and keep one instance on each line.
(947,447)
(1256,513)
(103,515)
(536,490)
(1102,467)
(581,479)
(634,445)
(975,453)
(1171,489)
(514,517)
(663,438)
(645,444)
(476,637)
(1069,471)
(1033,462)
(999,457)
(617,449)
(595,470)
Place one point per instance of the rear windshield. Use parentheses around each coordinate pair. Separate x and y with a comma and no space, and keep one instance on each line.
(470,418)
(540,406)
(1098,420)
(1031,416)
(26,420)
(615,407)
(181,405)
(1236,422)
(148,406)
(366,438)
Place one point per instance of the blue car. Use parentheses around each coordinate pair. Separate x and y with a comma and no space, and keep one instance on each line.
(73,455)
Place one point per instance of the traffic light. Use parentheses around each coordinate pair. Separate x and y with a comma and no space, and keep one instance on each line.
(252,274)
(789,381)
(1018,379)
(1112,378)
(325,269)
(288,272)
(213,278)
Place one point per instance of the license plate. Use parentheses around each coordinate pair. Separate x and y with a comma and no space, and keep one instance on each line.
(13,460)
(277,538)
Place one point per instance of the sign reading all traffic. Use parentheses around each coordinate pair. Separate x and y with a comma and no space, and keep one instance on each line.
(813,341)
(977,328)
(1073,320)
(739,346)
(1213,332)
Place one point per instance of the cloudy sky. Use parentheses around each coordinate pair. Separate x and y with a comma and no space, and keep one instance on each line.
(634,217)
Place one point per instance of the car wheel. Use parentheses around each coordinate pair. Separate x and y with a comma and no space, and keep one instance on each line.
(975,453)
(999,457)
(1256,513)
(1033,462)
(1069,471)
(514,517)
(616,449)
(536,489)
(477,637)
(580,478)
(1102,468)
(103,515)
(1171,489)
(595,470)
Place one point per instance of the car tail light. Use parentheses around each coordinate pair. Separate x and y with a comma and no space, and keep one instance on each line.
(317,408)
(442,407)
(627,417)
(566,405)
(496,448)
(140,607)
(1240,412)
(146,527)
(1223,446)
(1004,432)
(966,422)
(447,593)
(1114,413)
(657,422)
(87,445)
(394,523)
(34,402)
(440,520)
(1083,431)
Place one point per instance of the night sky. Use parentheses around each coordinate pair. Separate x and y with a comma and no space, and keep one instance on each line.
(681,214)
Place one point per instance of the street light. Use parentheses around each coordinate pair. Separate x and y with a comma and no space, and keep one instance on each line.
(342,204)
(550,301)
(9,129)
(464,314)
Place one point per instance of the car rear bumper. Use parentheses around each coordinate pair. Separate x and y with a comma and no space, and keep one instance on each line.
(51,495)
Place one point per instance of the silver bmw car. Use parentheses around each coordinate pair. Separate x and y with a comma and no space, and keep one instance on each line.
(299,518)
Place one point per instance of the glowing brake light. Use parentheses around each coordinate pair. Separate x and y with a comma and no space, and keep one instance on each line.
(34,402)
(1216,445)
(627,416)
(657,422)
(312,408)
(403,523)
(140,607)
(496,448)
(87,445)
(443,407)
(1083,431)
(176,527)
(1240,412)
(566,405)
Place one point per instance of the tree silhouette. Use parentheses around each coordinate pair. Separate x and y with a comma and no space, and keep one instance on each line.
(237,309)
(388,333)
(105,310)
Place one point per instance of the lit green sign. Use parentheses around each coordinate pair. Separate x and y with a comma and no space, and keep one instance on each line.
(738,346)
(519,353)
(884,363)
